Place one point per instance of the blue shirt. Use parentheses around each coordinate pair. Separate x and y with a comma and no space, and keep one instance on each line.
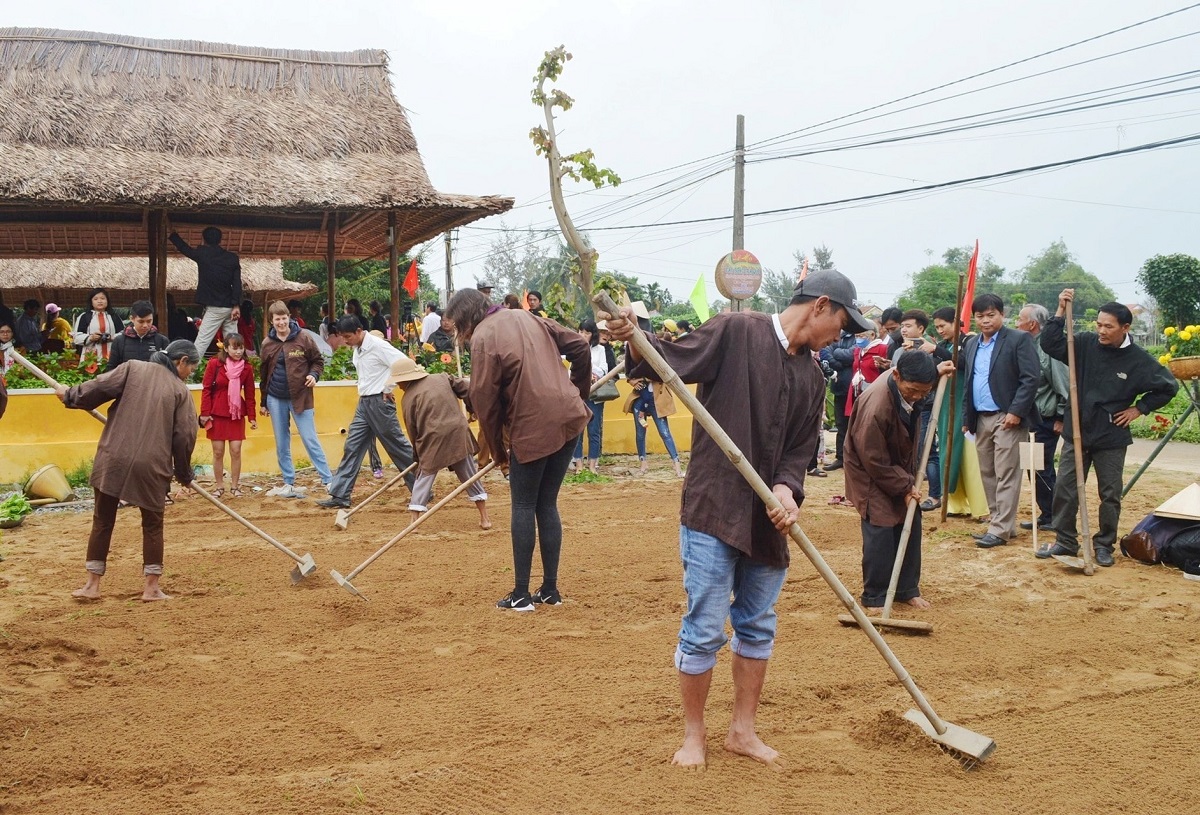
(980,391)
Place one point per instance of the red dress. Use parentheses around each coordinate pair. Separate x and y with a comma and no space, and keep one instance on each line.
(214,401)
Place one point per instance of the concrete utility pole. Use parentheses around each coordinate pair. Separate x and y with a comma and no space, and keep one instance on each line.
(739,193)
(449,270)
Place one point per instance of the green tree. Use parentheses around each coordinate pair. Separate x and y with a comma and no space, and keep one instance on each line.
(658,297)
(936,285)
(776,289)
(1174,282)
(364,280)
(1055,269)
(822,258)
(515,259)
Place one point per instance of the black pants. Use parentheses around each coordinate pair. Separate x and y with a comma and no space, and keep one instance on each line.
(1109,466)
(1044,482)
(880,544)
(841,420)
(104,519)
(534,490)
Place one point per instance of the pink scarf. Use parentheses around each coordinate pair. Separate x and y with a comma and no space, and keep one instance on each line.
(233,372)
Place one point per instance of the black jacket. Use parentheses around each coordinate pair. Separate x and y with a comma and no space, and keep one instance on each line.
(1109,380)
(128,345)
(1013,379)
(220,273)
(840,356)
(441,341)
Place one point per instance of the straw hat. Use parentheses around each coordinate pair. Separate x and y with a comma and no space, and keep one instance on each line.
(405,370)
(639,309)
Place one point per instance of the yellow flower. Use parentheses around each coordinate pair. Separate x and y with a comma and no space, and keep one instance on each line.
(1169,330)
(1164,359)
(1185,335)
(428,346)
(1174,348)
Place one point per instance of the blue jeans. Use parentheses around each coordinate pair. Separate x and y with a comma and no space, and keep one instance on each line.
(594,433)
(933,470)
(646,406)
(281,413)
(712,571)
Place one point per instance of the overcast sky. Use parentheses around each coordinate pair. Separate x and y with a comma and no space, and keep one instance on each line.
(659,84)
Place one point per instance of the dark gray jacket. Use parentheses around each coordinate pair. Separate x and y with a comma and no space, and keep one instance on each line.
(220,275)
(1013,379)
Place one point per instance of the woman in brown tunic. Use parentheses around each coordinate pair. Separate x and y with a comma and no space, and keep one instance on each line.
(149,436)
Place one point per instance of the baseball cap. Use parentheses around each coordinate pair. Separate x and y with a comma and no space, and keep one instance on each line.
(52,307)
(837,287)
(484,284)
(405,370)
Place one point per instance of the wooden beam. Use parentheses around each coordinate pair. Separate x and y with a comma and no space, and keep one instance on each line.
(331,262)
(160,296)
(394,271)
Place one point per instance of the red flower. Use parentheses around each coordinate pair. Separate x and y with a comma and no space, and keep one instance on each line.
(447,358)
(91,369)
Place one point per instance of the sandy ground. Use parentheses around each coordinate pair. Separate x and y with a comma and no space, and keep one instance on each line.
(245,694)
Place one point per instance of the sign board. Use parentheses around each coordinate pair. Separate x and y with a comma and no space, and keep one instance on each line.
(739,274)
(1032,451)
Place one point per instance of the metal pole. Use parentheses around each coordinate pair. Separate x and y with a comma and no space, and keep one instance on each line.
(739,193)
(1195,405)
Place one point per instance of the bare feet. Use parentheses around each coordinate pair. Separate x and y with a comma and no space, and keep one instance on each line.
(873,612)
(645,467)
(484,521)
(919,602)
(594,465)
(752,746)
(151,591)
(90,589)
(678,469)
(692,755)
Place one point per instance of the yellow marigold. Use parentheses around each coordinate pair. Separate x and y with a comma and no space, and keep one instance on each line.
(1174,348)
(1164,359)
(1185,335)
(1169,330)
(428,346)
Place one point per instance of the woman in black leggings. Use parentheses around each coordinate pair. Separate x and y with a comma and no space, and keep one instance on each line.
(517,384)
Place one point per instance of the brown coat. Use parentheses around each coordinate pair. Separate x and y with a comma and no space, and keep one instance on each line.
(881,454)
(769,402)
(518,382)
(435,422)
(302,358)
(664,402)
(150,433)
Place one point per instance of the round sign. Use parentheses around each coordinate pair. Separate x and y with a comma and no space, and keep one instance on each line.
(739,274)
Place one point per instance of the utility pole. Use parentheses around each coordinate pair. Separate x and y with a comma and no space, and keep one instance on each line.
(449,270)
(739,193)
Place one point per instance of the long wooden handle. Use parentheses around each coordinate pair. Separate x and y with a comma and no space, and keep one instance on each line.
(671,379)
(912,504)
(620,366)
(424,517)
(212,499)
(49,380)
(391,483)
(1089,560)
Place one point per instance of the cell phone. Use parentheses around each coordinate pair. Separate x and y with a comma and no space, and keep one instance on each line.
(915,342)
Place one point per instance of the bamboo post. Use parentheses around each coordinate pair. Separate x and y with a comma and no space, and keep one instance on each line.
(330,262)
(394,271)
(160,296)
(952,431)
(1089,559)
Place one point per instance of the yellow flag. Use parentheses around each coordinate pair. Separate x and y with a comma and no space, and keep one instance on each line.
(699,300)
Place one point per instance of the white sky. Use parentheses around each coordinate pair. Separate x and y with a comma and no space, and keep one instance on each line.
(660,83)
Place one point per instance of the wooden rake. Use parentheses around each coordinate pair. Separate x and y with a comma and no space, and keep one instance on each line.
(966,745)
(304,565)
(343,515)
(886,620)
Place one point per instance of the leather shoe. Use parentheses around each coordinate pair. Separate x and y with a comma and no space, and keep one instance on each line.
(835,465)
(1057,549)
(979,536)
(334,503)
(1027,524)
(1104,556)
(989,540)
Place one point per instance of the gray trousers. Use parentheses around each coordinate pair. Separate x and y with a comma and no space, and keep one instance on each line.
(1110,467)
(1000,466)
(374,418)
(464,468)
(214,323)
(880,545)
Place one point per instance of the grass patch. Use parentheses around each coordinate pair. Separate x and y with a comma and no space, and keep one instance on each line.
(587,477)
(80,475)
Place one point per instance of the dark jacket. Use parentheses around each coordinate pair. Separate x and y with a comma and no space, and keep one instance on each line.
(840,356)
(1109,380)
(220,273)
(881,454)
(128,345)
(1013,379)
(301,357)
(441,341)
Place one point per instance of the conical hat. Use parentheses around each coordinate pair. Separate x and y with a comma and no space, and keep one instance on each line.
(1184,504)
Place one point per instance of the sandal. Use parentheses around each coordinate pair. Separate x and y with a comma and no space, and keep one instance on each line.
(840,501)
(218,492)
(236,492)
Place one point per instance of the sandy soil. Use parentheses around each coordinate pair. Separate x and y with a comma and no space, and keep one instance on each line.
(245,694)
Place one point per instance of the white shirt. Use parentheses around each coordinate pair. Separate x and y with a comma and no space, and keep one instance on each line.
(779,330)
(373,361)
(599,361)
(431,323)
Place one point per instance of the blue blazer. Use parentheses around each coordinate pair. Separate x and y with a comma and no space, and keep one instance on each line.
(1013,379)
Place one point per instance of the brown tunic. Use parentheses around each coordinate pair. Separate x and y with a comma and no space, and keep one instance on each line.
(435,423)
(881,454)
(518,381)
(769,402)
(150,433)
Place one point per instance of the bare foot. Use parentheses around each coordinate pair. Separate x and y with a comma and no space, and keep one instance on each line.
(919,602)
(88,592)
(485,522)
(645,468)
(692,755)
(753,747)
(873,612)
(678,469)
(149,595)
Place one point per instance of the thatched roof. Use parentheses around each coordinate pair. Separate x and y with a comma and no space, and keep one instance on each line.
(98,129)
(68,282)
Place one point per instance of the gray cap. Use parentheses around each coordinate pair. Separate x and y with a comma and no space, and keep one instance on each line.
(837,287)
(484,284)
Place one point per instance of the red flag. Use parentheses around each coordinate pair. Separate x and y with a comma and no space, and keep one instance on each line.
(525,299)
(804,269)
(969,291)
(411,284)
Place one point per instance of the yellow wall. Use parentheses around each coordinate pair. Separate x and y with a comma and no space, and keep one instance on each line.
(37,430)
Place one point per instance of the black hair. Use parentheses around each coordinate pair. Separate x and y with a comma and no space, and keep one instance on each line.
(294,304)
(918,316)
(177,350)
(589,325)
(684,325)
(211,235)
(985,302)
(375,306)
(1121,313)
(945,313)
(32,303)
(535,293)
(247,307)
(355,306)
(348,324)
(141,308)
(99,290)
(891,314)
(913,366)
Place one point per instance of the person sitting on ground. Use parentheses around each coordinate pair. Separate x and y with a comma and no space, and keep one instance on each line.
(226,402)
(29,328)
(56,333)
(149,438)
(440,436)
(1116,382)
(140,339)
(882,455)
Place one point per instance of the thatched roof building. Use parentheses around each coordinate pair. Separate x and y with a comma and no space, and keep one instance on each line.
(67,282)
(280,148)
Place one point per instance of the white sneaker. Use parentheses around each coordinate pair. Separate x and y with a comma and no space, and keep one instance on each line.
(286,491)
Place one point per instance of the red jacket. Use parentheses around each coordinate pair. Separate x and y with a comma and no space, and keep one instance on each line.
(214,399)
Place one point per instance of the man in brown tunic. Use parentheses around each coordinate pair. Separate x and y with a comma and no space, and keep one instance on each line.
(439,433)
(755,375)
(881,464)
(149,437)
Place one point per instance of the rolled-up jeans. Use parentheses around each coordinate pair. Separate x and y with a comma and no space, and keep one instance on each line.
(712,571)
(646,406)
(281,413)
(594,433)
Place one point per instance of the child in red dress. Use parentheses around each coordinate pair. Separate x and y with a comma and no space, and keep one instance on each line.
(226,402)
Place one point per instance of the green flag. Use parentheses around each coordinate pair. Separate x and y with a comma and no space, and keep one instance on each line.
(699,300)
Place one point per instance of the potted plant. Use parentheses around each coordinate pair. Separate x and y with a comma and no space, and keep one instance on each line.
(1183,351)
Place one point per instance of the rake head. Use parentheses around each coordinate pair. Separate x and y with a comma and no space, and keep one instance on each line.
(912,626)
(345,584)
(304,568)
(967,746)
(342,520)
(1072,562)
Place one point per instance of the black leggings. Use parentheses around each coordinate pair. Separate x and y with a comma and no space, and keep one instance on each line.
(534,489)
